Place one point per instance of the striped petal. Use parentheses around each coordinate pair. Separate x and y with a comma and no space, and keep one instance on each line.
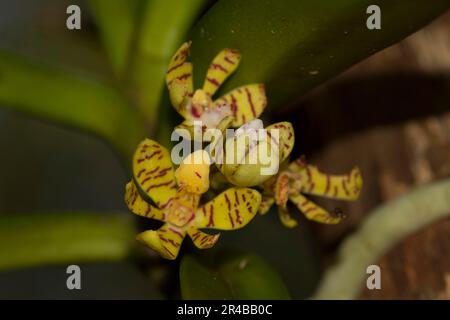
(266,204)
(343,187)
(201,239)
(281,189)
(193,173)
(222,66)
(139,206)
(180,210)
(153,172)
(166,240)
(286,218)
(179,90)
(180,56)
(313,212)
(190,130)
(283,137)
(230,210)
(179,77)
(246,102)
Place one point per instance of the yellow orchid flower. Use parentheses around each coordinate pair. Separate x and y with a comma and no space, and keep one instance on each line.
(176,195)
(267,151)
(300,178)
(232,109)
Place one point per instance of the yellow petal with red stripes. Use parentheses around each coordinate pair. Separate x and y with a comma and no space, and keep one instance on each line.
(179,92)
(282,136)
(230,210)
(190,130)
(181,209)
(315,213)
(222,66)
(246,103)
(282,189)
(201,239)
(179,77)
(166,240)
(139,206)
(180,56)
(286,218)
(153,172)
(193,173)
(266,204)
(343,187)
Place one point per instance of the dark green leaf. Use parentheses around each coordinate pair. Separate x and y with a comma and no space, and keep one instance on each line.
(199,281)
(230,276)
(294,45)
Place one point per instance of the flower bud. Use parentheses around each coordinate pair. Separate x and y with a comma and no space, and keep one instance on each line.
(253,154)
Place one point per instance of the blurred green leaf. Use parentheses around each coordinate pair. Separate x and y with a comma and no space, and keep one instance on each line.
(71,99)
(294,45)
(29,240)
(230,276)
(117,22)
(200,281)
(165,24)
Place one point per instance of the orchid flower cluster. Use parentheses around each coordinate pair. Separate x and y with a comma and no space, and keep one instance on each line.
(174,196)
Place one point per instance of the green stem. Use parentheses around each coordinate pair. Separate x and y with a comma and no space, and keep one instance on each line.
(165,23)
(116,21)
(29,240)
(380,231)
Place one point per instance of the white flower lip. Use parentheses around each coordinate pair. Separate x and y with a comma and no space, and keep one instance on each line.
(212,117)
(249,127)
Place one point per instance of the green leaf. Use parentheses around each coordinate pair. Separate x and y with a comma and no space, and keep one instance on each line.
(64,237)
(117,22)
(199,281)
(230,276)
(299,266)
(294,45)
(71,99)
(165,24)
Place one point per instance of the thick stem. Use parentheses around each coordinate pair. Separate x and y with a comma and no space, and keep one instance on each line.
(117,23)
(380,231)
